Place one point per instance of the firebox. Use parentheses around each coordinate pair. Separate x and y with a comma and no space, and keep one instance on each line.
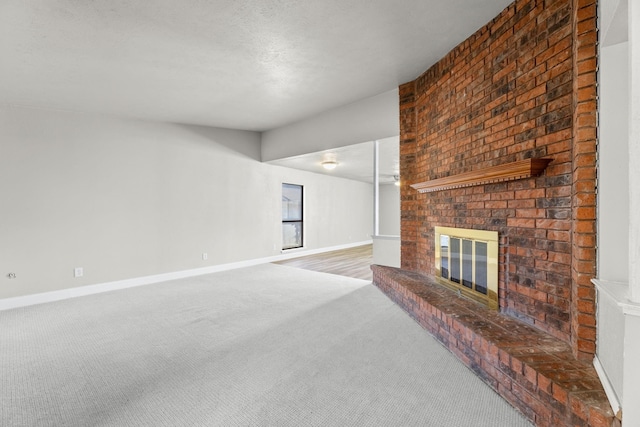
(467,261)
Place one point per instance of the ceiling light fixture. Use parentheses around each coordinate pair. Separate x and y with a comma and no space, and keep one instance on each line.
(329,164)
(329,161)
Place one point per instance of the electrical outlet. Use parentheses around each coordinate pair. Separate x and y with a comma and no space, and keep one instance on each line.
(78,272)
(204,256)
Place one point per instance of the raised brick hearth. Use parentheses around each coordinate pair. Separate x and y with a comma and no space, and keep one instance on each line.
(536,372)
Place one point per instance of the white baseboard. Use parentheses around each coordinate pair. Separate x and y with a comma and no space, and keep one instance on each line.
(62,294)
(606,384)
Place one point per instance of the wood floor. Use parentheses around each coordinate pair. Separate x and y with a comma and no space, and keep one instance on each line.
(354,262)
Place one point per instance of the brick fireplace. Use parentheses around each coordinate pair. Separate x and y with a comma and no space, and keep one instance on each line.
(522,87)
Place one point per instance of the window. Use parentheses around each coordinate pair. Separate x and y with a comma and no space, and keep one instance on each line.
(291,216)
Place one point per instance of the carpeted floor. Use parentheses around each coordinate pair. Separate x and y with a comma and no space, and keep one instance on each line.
(262,346)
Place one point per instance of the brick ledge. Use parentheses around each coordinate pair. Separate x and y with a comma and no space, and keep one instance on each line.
(534,371)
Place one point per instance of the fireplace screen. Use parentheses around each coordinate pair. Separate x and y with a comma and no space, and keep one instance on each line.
(467,261)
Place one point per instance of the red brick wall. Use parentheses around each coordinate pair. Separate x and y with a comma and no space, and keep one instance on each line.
(583,325)
(408,197)
(511,91)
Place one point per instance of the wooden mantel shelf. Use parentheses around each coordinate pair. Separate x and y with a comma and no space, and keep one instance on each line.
(507,172)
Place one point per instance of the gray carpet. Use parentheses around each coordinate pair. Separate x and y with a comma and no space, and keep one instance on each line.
(262,346)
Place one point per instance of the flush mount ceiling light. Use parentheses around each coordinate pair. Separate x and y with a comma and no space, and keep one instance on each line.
(329,164)
(329,161)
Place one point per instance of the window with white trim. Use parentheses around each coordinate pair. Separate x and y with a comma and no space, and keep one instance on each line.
(292,210)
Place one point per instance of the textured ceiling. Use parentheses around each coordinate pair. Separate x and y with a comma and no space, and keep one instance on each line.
(244,64)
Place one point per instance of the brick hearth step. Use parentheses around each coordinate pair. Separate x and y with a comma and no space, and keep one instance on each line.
(534,371)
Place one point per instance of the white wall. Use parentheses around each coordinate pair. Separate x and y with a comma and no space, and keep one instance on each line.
(618,283)
(613,168)
(613,211)
(372,118)
(389,210)
(128,198)
(610,343)
(631,409)
(634,152)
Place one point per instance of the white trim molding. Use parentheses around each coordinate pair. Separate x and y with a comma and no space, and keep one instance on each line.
(618,292)
(385,237)
(62,294)
(608,387)
(630,308)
